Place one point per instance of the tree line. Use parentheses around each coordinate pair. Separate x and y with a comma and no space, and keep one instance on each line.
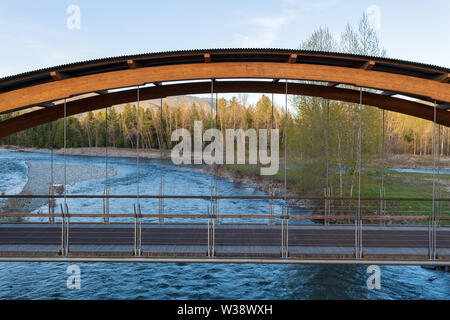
(118,127)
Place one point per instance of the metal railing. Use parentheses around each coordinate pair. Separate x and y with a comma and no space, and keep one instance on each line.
(326,210)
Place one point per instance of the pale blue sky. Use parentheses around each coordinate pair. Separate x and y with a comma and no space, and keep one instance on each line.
(33,34)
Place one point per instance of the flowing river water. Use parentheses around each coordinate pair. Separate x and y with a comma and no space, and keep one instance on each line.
(190,280)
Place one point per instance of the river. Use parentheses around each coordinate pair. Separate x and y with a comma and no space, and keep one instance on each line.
(190,281)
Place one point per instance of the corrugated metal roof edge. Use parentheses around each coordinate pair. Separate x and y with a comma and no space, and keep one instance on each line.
(217,50)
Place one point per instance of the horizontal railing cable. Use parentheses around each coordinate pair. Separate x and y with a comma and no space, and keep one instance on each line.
(282,197)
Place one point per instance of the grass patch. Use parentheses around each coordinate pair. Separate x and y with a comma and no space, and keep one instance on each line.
(307,181)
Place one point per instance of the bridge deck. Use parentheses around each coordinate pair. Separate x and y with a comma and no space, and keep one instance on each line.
(231,241)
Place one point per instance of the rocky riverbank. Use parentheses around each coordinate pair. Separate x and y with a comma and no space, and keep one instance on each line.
(391,161)
(39,181)
(99,152)
(259,182)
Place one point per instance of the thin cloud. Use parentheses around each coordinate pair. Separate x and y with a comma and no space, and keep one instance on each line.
(309,5)
(268,30)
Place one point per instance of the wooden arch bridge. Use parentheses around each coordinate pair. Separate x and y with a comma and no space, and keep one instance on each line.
(46,95)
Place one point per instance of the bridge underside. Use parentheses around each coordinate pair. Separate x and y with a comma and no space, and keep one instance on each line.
(410,88)
(90,103)
(232,243)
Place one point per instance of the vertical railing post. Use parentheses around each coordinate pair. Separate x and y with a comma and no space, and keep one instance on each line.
(135,230)
(208,232)
(271,202)
(216,202)
(50,206)
(104,204)
(282,231)
(107,204)
(213,240)
(63,232)
(161,205)
(287,232)
(430,237)
(140,230)
(356,237)
(360,237)
(434,239)
(212,217)
(67,229)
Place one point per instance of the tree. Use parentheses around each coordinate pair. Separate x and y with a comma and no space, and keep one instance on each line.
(363,40)
(320,40)
(326,134)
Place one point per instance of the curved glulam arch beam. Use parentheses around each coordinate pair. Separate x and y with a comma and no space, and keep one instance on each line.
(32,119)
(56,90)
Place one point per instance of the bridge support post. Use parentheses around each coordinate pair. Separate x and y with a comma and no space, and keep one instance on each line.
(137,230)
(271,204)
(63,232)
(211,231)
(432,231)
(327,205)
(430,238)
(107,203)
(51,205)
(358,238)
(285,231)
(434,239)
(67,229)
(161,206)
(209,237)
(65,222)
(104,204)
(140,229)
(215,202)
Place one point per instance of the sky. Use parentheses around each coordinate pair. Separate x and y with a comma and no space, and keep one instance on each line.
(45,33)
